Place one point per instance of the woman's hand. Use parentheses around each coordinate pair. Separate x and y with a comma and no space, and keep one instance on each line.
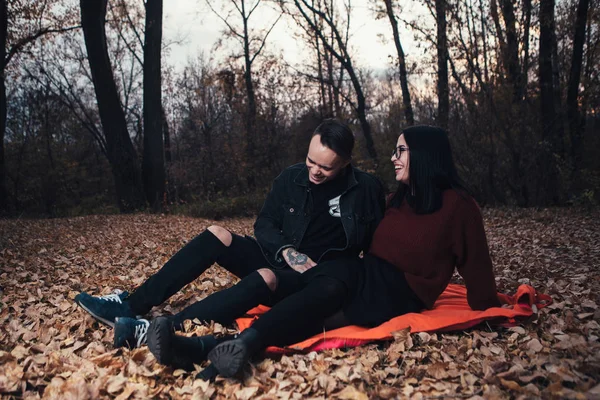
(297,261)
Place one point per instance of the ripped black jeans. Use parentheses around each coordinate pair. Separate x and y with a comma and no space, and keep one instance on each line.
(300,309)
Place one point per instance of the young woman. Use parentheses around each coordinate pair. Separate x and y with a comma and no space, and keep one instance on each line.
(432,226)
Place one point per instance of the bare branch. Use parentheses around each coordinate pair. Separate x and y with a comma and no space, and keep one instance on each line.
(253,8)
(137,35)
(265,38)
(419,29)
(348,99)
(348,14)
(127,44)
(320,13)
(25,41)
(231,29)
(240,10)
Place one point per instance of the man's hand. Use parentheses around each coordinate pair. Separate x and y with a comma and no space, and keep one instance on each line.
(297,261)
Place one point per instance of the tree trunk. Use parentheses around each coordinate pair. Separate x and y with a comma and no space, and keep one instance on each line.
(485,48)
(121,153)
(251,117)
(559,129)
(324,109)
(343,57)
(545,68)
(526,29)
(250,122)
(361,111)
(49,187)
(442,61)
(408,112)
(167,136)
(3,39)
(511,53)
(365,125)
(575,126)
(153,164)
(333,92)
(499,31)
(547,101)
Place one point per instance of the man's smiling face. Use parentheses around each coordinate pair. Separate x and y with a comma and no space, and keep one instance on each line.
(323,163)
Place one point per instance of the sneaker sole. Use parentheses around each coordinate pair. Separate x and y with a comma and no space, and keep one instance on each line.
(103,320)
(125,342)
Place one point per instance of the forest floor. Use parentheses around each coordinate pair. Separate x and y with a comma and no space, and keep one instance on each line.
(50,348)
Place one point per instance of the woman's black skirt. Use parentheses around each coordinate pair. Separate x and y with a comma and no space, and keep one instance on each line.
(377,290)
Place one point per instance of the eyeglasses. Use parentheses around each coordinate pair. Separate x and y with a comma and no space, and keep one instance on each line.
(398,151)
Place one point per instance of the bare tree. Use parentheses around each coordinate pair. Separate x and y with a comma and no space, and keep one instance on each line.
(151,126)
(7,54)
(526,32)
(121,153)
(546,82)
(325,75)
(341,54)
(511,49)
(508,40)
(3,39)
(250,51)
(326,108)
(575,120)
(408,111)
(547,91)
(443,91)
(153,163)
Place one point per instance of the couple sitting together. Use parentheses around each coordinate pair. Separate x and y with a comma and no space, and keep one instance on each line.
(304,262)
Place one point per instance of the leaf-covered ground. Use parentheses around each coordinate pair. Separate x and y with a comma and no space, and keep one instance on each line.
(49,348)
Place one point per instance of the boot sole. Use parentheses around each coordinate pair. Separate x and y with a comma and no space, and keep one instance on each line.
(229,358)
(159,340)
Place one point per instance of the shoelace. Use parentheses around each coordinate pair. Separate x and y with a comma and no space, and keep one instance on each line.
(141,332)
(113,296)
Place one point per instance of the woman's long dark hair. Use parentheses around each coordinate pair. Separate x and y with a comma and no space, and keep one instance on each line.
(431,170)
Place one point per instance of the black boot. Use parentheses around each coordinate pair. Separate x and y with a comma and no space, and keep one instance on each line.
(230,357)
(175,350)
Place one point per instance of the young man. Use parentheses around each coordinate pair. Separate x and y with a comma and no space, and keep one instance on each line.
(322,210)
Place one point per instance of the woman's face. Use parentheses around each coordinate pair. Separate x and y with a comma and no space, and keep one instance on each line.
(400,159)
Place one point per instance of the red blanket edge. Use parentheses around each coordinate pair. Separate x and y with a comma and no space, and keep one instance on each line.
(450,312)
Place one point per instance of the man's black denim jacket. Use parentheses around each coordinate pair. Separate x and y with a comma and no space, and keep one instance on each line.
(284,218)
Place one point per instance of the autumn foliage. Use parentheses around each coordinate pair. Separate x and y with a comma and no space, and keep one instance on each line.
(51,349)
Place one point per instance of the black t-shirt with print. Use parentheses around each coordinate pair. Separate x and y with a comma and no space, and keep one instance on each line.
(325,230)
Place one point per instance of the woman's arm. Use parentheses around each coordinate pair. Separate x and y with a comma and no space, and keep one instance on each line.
(473,256)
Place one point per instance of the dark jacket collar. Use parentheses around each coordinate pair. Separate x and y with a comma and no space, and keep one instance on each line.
(302,177)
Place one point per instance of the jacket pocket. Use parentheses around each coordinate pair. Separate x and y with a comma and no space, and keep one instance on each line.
(291,220)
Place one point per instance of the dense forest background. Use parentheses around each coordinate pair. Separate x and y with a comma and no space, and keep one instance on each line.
(95,118)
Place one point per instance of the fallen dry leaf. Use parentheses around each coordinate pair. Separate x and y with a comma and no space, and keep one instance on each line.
(535,346)
(351,393)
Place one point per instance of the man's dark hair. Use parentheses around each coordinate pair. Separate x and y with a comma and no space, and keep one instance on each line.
(431,170)
(337,136)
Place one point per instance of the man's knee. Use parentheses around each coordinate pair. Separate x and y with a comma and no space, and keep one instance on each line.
(222,234)
(331,287)
(269,278)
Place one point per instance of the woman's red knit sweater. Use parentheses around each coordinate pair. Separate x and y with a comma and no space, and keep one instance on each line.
(427,247)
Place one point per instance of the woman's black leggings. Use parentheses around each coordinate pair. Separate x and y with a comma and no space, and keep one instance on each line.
(301,314)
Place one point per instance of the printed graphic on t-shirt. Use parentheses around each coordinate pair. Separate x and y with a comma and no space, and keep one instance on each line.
(334,207)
